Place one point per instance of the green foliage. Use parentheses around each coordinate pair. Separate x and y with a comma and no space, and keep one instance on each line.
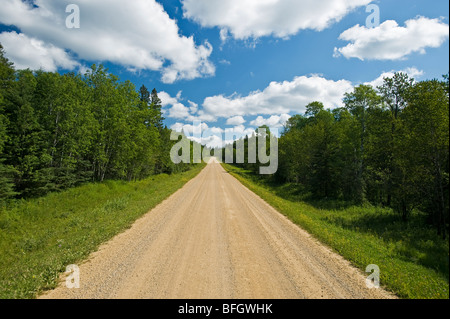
(247,152)
(423,151)
(39,237)
(413,259)
(58,131)
(6,82)
(370,179)
(388,148)
(156,106)
(6,182)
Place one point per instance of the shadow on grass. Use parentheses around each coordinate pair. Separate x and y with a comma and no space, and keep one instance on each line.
(297,193)
(411,241)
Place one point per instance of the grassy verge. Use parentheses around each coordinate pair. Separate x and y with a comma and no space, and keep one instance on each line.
(413,260)
(40,237)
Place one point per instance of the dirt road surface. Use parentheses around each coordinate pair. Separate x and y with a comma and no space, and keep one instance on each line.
(215,239)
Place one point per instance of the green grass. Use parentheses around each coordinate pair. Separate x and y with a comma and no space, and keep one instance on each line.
(413,260)
(40,237)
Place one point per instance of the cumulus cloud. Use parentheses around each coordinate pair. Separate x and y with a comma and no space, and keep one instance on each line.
(137,34)
(243,19)
(35,54)
(412,73)
(179,111)
(274,121)
(190,129)
(239,131)
(193,107)
(212,141)
(389,41)
(201,133)
(279,98)
(212,137)
(176,108)
(236,120)
(166,99)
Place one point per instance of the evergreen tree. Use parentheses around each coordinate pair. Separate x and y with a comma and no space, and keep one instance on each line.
(156,105)
(144,95)
(6,84)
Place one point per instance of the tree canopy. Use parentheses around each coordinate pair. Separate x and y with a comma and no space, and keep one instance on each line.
(60,130)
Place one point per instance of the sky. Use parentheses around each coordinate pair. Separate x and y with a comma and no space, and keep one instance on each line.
(229,66)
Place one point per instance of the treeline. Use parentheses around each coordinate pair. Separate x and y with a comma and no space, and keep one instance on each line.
(57,131)
(388,146)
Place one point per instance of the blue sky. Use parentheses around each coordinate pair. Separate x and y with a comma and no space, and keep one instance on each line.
(277,55)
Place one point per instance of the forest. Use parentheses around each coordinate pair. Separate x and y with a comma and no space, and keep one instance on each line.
(61,130)
(387,146)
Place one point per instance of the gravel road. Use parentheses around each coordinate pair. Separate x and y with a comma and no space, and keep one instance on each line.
(215,239)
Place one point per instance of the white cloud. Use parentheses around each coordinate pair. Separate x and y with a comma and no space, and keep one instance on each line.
(412,73)
(224,35)
(193,107)
(240,130)
(35,54)
(178,127)
(173,108)
(274,121)
(236,133)
(279,98)
(137,34)
(204,116)
(178,111)
(236,120)
(211,141)
(245,19)
(190,129)
(389,41)
(201,133)
(166,99)
(212,137)
(216,130)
